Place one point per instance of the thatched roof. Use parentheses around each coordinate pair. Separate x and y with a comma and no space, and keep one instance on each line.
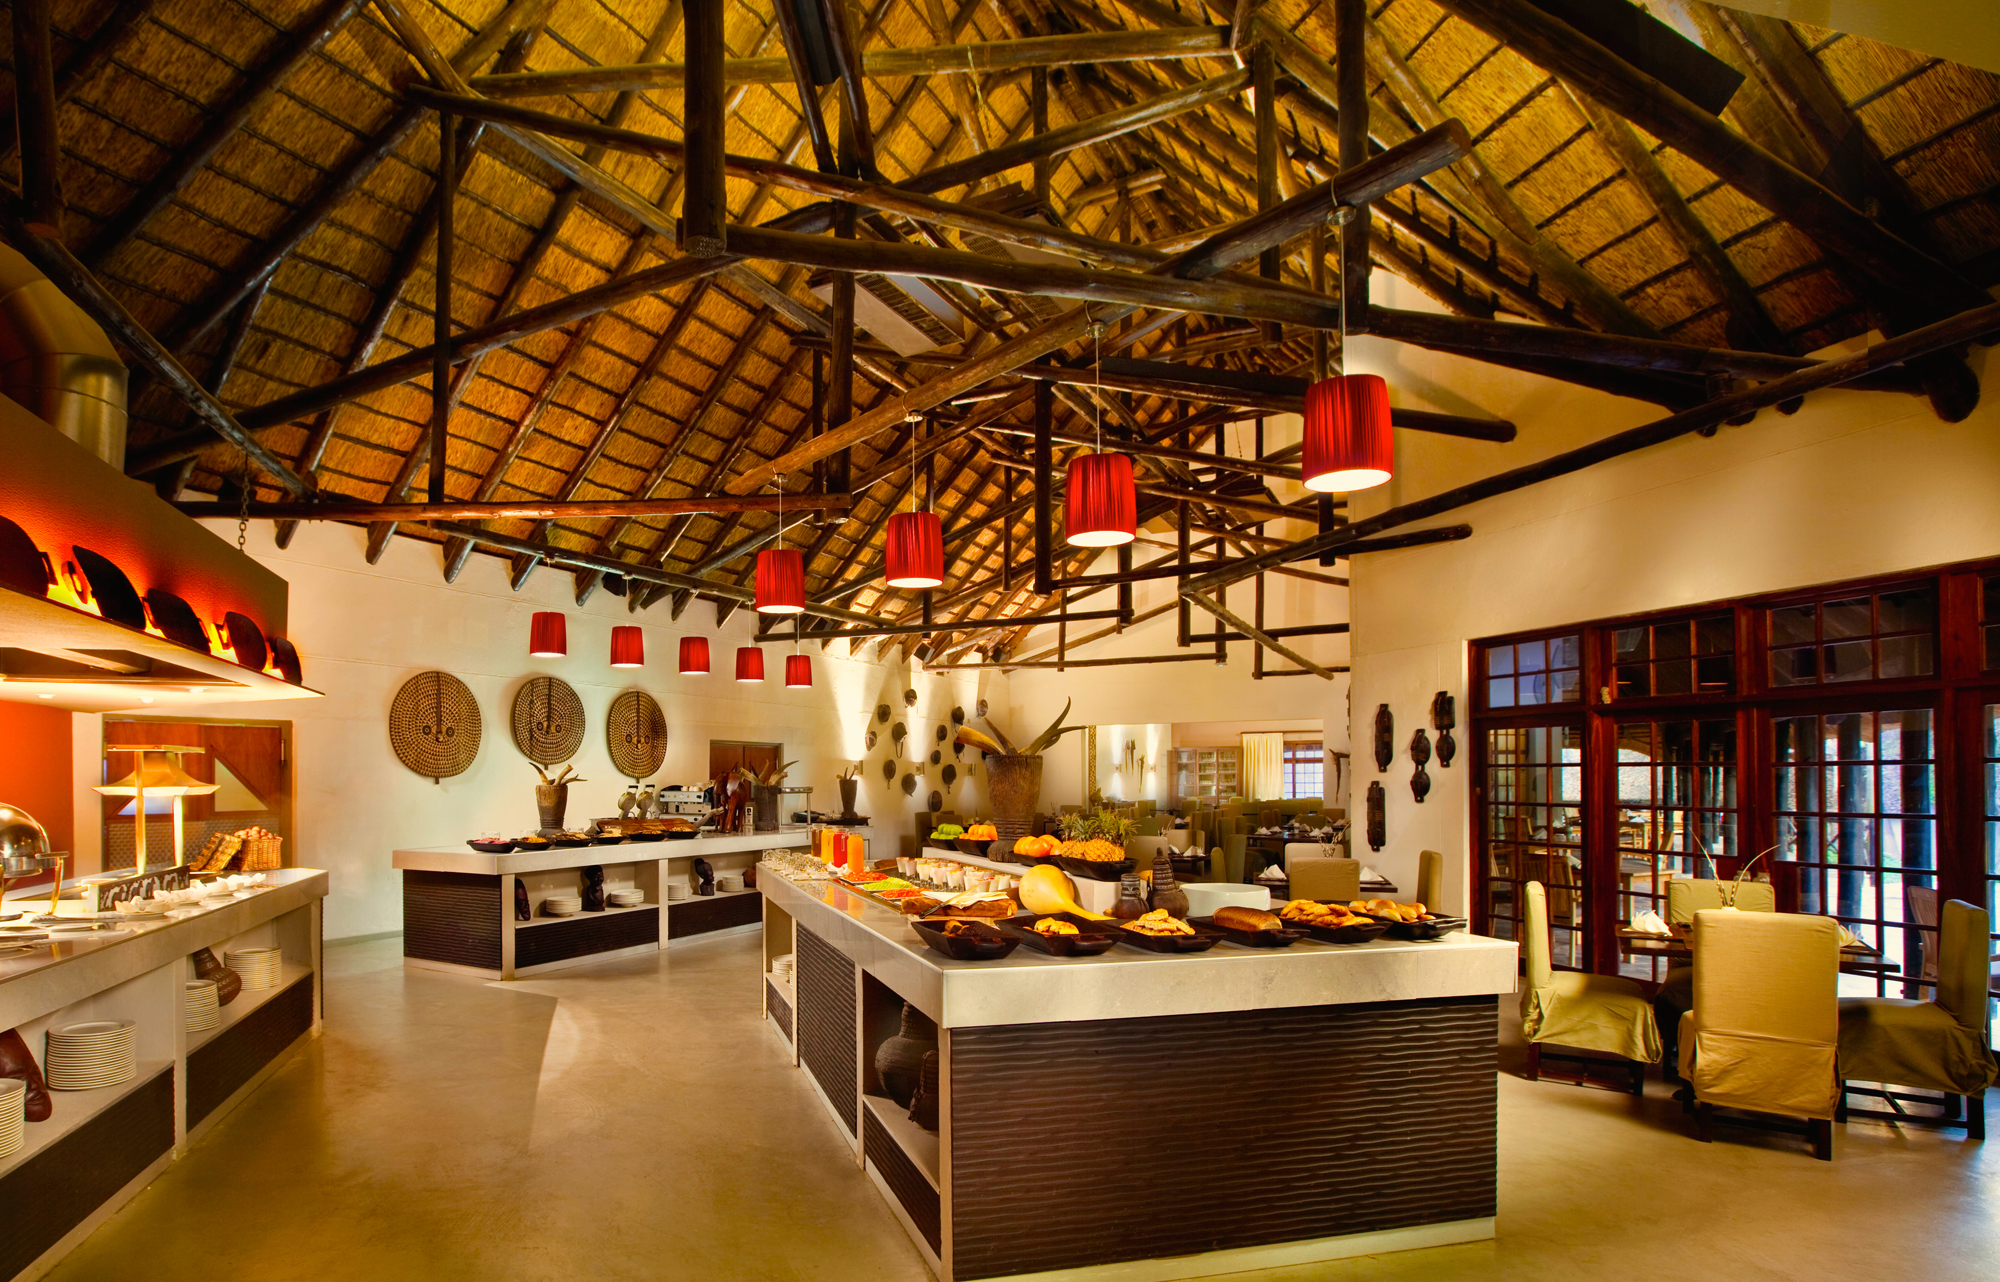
(679,391)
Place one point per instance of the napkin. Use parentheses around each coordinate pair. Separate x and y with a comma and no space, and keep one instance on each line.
(1273,873)
(1369,874)
(1848,939)
(1650,923)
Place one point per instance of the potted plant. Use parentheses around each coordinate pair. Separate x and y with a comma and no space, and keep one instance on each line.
(1014,779)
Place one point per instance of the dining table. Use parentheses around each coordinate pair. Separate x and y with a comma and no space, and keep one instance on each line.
(1857,958)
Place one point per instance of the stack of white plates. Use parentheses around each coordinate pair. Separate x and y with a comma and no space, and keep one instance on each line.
(562,905)
(625,898)
(260,967)
(728,884)
(677,891)
(781,968)
(13,1103)
(203,1010)
(98,1052)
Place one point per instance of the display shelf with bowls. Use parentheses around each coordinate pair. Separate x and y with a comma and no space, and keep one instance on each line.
(246,1004)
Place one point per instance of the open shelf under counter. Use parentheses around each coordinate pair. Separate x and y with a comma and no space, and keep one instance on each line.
(607,911)
(922,1147)
(75,1108)
(247,1002)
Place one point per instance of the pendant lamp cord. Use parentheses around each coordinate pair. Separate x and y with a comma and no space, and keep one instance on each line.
(1340,249)
(1097,401)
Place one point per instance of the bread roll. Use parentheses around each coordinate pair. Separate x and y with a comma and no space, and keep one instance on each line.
(1236,917)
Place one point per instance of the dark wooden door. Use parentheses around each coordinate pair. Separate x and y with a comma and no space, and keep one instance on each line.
(725,757)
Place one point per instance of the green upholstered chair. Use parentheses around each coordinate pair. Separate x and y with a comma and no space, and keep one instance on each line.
(1765,1027)
(1579,1012)
(1147,826)
(1685,897)
(1315,875)
(1145,808)
(1430,881)
(1235,848)
(1936,1045)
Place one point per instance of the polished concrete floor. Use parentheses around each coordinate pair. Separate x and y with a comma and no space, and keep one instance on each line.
(637,1120)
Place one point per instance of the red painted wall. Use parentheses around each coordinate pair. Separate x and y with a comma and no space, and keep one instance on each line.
(35,767)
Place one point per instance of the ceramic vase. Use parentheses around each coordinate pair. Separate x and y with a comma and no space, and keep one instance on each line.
(16,1060)
(551,799)
(848,790)
(899,1061)
(1015,786)
(227,982)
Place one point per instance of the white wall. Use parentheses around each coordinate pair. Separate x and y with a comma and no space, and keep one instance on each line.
(1855,484)
(363,630)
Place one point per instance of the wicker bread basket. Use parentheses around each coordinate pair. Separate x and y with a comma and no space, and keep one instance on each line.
(261,854)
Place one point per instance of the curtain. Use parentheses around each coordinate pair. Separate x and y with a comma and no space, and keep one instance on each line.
(1264,766)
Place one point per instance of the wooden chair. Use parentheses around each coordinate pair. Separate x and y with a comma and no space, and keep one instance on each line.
(1764,1033)
(1578,1011)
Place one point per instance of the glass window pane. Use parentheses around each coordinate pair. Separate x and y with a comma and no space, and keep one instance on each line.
(1532,656)
(1850,661)
(1630,643)
(1632,681)
(1795,667)
(1532,689)
(1792,625)
(1672,641)
(1568,687)
(1500,693)
(1673,677)
(1715,636)
(1913,610)
(1846,618)
(1715,675)
(1500,661)
(1566,652)
(1906,656)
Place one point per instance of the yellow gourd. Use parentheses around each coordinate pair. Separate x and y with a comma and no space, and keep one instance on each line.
(1046,888)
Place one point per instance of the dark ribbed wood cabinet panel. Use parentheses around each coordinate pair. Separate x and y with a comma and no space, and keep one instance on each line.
(452,917)
(585,934)
(1241,1128)
(59,1187)
(780,1009)
(701,915)
(919,1200)
(826,1023)
(220,1066)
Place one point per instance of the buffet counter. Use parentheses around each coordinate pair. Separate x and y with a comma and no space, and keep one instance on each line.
(459,905)
(100,1146)
(1148,1116)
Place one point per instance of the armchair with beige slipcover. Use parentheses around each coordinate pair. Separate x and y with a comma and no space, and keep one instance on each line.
(1430,881)
(1314,875)
(1687,896)
(1938,1045)
(1578,1011)
(1763,1034)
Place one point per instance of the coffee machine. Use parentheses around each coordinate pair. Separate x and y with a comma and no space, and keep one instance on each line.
(694,801)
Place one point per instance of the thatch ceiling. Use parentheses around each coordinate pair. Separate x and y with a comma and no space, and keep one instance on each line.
(210,139)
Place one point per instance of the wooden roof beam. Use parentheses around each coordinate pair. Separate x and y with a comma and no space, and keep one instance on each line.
(35,110)
(83,62)
(334,508)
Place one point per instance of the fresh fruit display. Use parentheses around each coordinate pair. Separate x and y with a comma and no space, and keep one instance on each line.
(947,833)
(1099,838)
(1035,847)
(981,832)
(1046,888)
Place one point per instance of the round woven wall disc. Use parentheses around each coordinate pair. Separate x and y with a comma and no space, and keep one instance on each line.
(636,734)
(548,721)
(434,725)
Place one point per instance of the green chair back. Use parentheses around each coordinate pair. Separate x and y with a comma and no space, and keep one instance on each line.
(1962,963)
(1687,896)
(1541,970)
(1430,881)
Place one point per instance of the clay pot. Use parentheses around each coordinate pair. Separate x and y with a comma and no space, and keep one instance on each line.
(551,799)
(849,788)
(16,1060)
(1167,892)
(764,802)
(899,1061)
(1014,784)
(227,982)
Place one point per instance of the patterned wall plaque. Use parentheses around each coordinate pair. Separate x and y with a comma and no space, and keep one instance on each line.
(548,721)
(434,725)
(636,734)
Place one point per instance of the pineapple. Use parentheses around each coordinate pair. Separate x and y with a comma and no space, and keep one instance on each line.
(1075,829)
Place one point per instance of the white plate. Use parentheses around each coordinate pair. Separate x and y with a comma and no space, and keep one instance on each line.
(94,1028)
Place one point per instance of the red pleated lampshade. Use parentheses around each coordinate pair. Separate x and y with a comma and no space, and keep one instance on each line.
(781,581)
(749,663)
(1100,508)
(628,647)
(915,551)
(1349,442)
(798,671)
(694,656)
(548,635)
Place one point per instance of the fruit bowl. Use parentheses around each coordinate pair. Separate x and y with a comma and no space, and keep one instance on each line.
(1093,869)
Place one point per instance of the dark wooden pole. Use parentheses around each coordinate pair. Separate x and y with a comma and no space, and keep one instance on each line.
(1350,63)
(337,509)
(35,116)
(1045,574)
(845,40)
(705,199)
(1264,82)
(1038,108)
(802,80)
(441,317)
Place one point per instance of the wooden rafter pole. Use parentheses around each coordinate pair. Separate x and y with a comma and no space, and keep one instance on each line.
(705,197)
(446,243)
(844,38)
(984,58)
(798,62)
(1385,172)
(1258,635)
(1350,66)
(337,509)
(84,289)
(35,116)
(1968,326)
(219,125)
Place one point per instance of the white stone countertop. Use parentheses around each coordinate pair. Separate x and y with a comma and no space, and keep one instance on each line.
(463,858)
(53,975)
(1131,983)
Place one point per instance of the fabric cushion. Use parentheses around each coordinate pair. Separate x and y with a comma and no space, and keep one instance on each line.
(1592,1012)
(1909,1043)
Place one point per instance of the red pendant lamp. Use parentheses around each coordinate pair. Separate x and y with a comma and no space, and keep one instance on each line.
(781,581)
(694,656)
(1100,507)
(915,551)
(749,663)
(548,635)
(628,647)
(798,672)
(1349,442)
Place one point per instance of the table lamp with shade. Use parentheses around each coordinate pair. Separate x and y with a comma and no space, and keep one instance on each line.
(156,773)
